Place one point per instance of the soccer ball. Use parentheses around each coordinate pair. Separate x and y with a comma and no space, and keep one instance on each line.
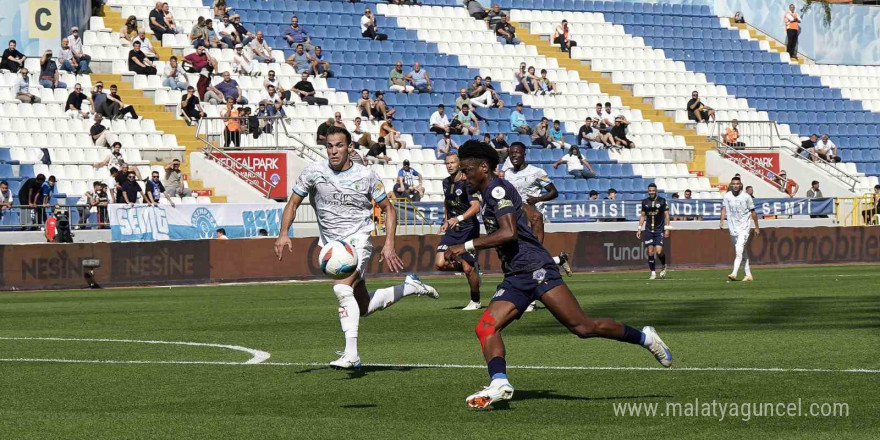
(338,260)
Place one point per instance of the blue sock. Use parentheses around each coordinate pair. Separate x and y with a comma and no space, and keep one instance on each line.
(498,368)
(651,263)
(632,336)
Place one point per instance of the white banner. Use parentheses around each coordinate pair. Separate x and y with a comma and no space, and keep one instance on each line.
(188,222)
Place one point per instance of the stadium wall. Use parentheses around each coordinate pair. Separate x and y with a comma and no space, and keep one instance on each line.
(56,266)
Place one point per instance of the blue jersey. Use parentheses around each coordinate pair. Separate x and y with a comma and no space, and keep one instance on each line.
(655,213)
(526,253)
(457,198)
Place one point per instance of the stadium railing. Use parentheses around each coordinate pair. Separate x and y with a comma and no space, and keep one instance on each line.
(410,219)
(23,217)
(856,211)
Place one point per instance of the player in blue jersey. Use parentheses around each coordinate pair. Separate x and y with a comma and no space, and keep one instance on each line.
(655,221)
(461,210)
(529,274)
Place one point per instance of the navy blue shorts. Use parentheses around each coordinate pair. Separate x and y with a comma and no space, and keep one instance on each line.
(455,236)
(522,289)
(653,238)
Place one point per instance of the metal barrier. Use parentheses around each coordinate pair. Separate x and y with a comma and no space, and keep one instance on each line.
(411,219)
(857,211)
(24,217)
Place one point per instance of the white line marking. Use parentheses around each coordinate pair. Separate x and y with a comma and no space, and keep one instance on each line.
(257,356)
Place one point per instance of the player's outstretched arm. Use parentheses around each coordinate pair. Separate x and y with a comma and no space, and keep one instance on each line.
(389,253)
(287,219)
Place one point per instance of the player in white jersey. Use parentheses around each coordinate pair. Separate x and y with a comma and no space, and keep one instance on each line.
(342,194)
(739,208)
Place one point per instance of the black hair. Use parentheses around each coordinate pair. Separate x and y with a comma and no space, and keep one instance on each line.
(221,231)
(365,90)
(652,185)
(593,192)
(517,144)
(815,182)
(3,182)
(735,178)
(52,179)
(688,190)
(479,150)
(114,170)
(337,130)
(13,41)
(612,190)
(41,177)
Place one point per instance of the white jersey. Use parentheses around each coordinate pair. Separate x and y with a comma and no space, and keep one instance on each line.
(739,212)
(342,200)
(529,181)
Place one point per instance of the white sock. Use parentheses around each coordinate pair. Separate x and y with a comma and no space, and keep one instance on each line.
(649,339)
(349,317)
(736,264)
(381,299)
(746,267)
(557,260)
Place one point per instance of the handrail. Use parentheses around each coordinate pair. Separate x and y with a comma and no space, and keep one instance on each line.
(766,174)
(403,206)
(856,211)
(243,171)
(304,147)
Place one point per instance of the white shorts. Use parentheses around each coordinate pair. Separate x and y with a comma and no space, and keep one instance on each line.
(363,247)
(741,239)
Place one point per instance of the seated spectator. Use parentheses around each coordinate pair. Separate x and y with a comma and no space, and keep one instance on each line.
(397,80)
(825,150)
(612,194)
(198,35)
(227,88)
(576,163)
(99,99)
(391,135)
(738,17)
(524,83)
(73,106)
(619,132)
(731,135)
(175,79)
(557,136)
(600,117)
(12,60)
(49,76)
(475,9)
(541,134)
(494,16)
(697,111)
(67,61)
(369,28)
(355,155)
(213,39)
(232,124)
(269,98)
(446,145)
(605,137)
(138,62)
(129,30)
(806,149)
(409,183)
(296,35)
(146,45)
(467,121)
(419,79)
(227,33)
(242,64)
(594,195)
(5,198)
(245,37)
(320,65)
(479,95)
(157,21)
(609,115)
(101,136)
(337,121)
(114,108)
(501,146)
(439,121)
(365,106)
(321,133)
(587,135)
(505,32)
(170,22)
(378,152)
(272,81)
(131,189)
(562,37)
(300,60)
(750,191)
(518,123)
(546,86)
(306,91)
(261,49)
(786,185)
(191,106)
(219,9)
(174,180)
(199,60)
(113,159)
(359,136)
(23,89)
(496,98)
(76,46)
(380,108)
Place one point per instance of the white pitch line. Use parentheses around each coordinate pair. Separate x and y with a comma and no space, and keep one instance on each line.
(257,356)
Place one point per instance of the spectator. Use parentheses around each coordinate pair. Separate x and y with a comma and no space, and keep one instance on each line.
(262,233)
(12,60)
(103,200)
(786,185)
(50,232)
(29,196)
(76,46)
(534,80)
(467,121)
(5,198)
(600,116)
(501,146)
(157,21)
(227,88)
(23,89)
(409,183)
(47,191)
(576,163)
(814,192)
(296,35)
(446,145)
(518,123)
(219,9)
(226,32)
(587,135)
(439,121)
(272,81)
(306,91)
(380,108)
(562,37)
(221,234)
(337,121)
(244,36)
(547,86)
(475,9)
(355,155)
(67,61)
(191,107)
(594,195)
(174,180)
(541,134)
(605,137)
(369,28)
(199,60)
(825,150)
(419,78)
(609,114)
(731,136)
(300,60)
(524,84)
(320,65)
(869,215)
(146,45)
(129,29)
(73,106)
(99,99)
(494,16)
(365,106)
(750,191)
(688,194)
(792,31)
(612,194)
(116,109)
(321,133)
(556,135)
(806,149)
(101,136)
(198,36)
(738,17)
(49,76)
(697,111)
(175,79)
(269,98)
(496,98)
(378,152)
(242,64)
(138,62)
(131,189)
(387,131)
(154,190)
(364,139)
(232,130)
(213,39)
(505,32)
(113,159)
(397,80)
(170,22)
(261,50)
(478,94)
(619,132)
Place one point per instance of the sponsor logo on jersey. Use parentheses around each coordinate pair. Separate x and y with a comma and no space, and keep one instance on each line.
(504,204)
(539,275)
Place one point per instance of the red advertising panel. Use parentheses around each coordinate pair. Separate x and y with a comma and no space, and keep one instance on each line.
(269,166)
(770,161)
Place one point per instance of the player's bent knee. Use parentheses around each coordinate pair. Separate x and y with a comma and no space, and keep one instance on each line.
(485,328)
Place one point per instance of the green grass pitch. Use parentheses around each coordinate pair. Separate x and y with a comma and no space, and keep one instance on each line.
(808,323)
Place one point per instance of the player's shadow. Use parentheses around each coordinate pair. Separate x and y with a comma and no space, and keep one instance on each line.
(359,406)
(367,369)
(553,395)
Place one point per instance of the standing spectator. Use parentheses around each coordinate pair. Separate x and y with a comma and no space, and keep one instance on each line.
(261,50)
(47,191)
(397,80)
(806,149)
(296,35)
(86,202)
(157,21)
(273,82)
(731,135)
(541,134)
(439,121)
(494,16)
(138,62)
(518,123)
(174,180)
(697,111)
(116,108)
(786,185)
(198,36)
(868,214)
(320,66)
(5,198)
(619,132)
(242,64)
(244,36)
(576,163)
(306,91)
(190,106)
(227,88)
(792,31)
(174,76)
(76,46)
(505,32)
(146,45)
(23,89)
(467,121)
(562,37)
(387,131)
(103,201)
(101,136)
(73,106)
(409,183)
(446,145)
(12,60)
(49,76)
(170,22)
(28,196)
(131,189)
(378,152)
(825,150)
(556,135)
(814,192)
(226,32)
(419,78)
(67,61)
(129,29)
(155,189)
(475,9)
(501,146)
(300,60)
(232,130)
(221,234)
(369,28)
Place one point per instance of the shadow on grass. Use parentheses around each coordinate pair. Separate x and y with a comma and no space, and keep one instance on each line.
(359,406)
(521,395)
